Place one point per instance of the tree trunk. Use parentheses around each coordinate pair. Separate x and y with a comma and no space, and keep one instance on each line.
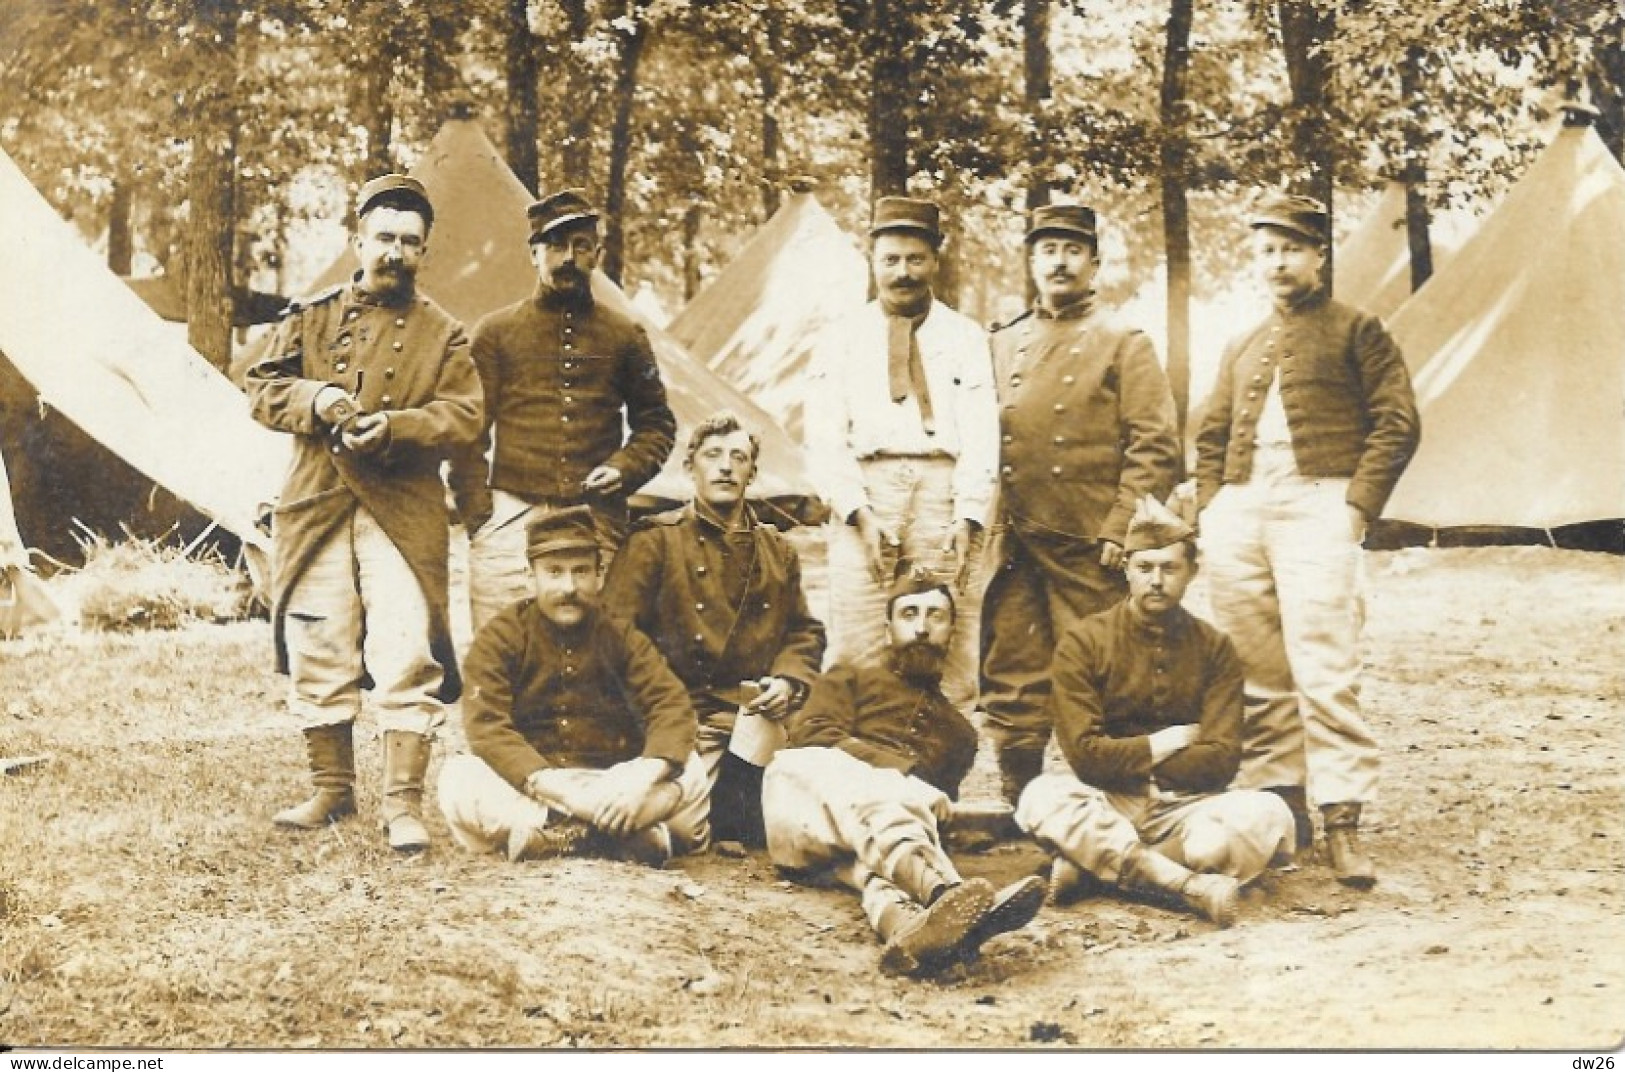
(521,112)
(1607,81)
(767,77)
(1037,92)
(120,244)
(376,113)
(620,138)
(1306,29)
(445,24)
(693,217)
(889,85)
(1176,235)
(575,146)
(1412,91)
(212,188)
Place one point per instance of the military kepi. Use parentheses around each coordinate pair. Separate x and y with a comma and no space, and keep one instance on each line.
(396,191)
(570,529)
(913,579)
(559,210)
(1297,215)
(1076,221)
(907,215)
(1154,527)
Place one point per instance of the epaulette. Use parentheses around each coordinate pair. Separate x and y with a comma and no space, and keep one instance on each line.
(1018,318)
(665,517)
(309,301)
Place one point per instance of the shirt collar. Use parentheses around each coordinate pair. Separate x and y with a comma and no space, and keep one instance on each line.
(1304,305)
(1072,311)
(709,517)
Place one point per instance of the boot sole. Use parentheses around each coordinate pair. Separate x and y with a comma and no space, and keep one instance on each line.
(935,943)
(1011,911)
(287,821)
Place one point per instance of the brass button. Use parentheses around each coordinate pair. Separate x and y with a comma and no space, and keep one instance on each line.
(565,418)
(386,400)
(389,374)
(397,345)
(1059,440)
(1069,379)
(699,606)
(1055,470)
(1009,439)
(1060,408)
(400,321)
(1007,470)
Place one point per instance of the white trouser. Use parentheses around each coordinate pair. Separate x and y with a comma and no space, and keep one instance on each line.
(1235,833)
(357,610)
(913,498)
(871,828)
(1287,577)
(482,810)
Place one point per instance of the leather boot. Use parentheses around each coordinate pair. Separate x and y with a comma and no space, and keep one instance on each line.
(1150,873)
(562,836)
(924,940)
(1069,883)
(406,758)
(924,873)
(1014,907)
(1351,865)
(1017,767)
(1298,803)
(331,752)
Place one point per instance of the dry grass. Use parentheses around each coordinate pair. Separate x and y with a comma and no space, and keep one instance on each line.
(138,584)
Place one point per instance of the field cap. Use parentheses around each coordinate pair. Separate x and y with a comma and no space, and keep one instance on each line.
(570,529)
(398,191)
(1297,215)
(912,579)
(1154,527)
(908,215)
(557,210)
(1077,221)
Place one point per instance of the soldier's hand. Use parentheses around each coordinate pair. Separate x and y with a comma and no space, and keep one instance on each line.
(1111,554)
(964,543)
(604,480)
(625,789)
(367,433)
(879,543)
(335,406)
(773,702)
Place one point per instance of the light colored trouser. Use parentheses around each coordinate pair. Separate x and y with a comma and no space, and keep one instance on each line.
(828,811)
(482,809)
(358,609)
(1287,578)
(913,497)
(499,569)
(1235,833)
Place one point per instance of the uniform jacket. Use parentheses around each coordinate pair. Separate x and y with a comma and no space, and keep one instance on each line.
(1086,422)
(410,360)
(1346,393)
(558,370)
(1118,679)
(668,581)
(873,714)
(850,414)
(593,696)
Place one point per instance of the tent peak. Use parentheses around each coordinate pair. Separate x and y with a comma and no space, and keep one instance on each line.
(1578,113)
(802,184)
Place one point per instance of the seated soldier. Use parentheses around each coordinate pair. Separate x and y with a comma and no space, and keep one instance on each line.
(1147,709)
(720,595)
(874,763)
(582,737)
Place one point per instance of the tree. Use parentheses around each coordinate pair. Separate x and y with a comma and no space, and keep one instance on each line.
(1175,173)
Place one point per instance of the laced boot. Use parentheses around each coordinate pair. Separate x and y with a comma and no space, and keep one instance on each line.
(1013,908)
(1351,865)
(1017,767)
(406,759)
(924,940)
(1150,873)
(561,836)
(331,752)
(1069,883)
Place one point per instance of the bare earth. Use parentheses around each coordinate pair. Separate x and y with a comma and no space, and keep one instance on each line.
(145,900)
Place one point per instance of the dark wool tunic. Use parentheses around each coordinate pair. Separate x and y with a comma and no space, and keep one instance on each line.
(1345,390)
(558,370)
(873,714)
(722,608)
(1119,678)
(592,696)
(408,360)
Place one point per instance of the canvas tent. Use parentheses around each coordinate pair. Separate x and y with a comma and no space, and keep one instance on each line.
(94,351)
(1372,269)
(478,260)
(1517,351)
(754,323)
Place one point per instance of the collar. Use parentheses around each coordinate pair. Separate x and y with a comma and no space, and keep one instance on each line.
(560,636)
(708,517)
(550,297)
(1072,311)
(1310,302)
(356,295)
(1170,626)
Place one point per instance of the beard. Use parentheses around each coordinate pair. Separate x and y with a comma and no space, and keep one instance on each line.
(568,277)
(920,662)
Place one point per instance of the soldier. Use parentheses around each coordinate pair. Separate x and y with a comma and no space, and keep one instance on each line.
(1310,425)
(870,777)
(582,737)
(903,433)
(1147,707)
(560,371)
(720,595)
(1087,423)
(375,383)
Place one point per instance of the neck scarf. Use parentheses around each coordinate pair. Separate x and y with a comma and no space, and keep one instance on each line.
(904,368)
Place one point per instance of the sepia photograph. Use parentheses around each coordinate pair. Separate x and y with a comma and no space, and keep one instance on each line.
(824,527)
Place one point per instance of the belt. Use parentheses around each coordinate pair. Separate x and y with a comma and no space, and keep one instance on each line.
(905,456)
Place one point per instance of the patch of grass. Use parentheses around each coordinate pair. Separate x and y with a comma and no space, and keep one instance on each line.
(139,584)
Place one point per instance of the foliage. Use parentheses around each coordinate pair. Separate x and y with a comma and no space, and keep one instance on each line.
(138,584)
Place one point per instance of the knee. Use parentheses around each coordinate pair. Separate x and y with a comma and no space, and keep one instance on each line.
(1043,797)
(1206,846)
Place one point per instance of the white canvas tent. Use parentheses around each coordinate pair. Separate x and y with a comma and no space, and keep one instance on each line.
(1372,269)
(1517,350)
(96,352)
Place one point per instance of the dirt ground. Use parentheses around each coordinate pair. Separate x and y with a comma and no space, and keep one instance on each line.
(145,900)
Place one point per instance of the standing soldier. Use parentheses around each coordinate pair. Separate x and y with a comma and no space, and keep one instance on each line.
(1311,424)
(902,432)
(375,383)
(560,371)
(1088,429)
